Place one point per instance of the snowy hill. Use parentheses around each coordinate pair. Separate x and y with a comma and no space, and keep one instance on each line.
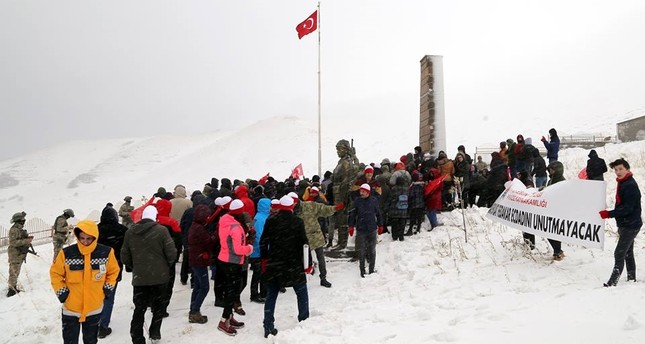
(433,287)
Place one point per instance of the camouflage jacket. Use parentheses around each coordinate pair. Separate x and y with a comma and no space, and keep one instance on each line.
(124,212)
(309,213)
(17,240)
(61,227)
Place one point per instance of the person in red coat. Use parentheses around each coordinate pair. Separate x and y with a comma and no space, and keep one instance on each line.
(432,194)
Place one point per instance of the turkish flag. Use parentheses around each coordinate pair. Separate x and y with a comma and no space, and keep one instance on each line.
(297,172)
(308,26)
(583,174)
(264,179)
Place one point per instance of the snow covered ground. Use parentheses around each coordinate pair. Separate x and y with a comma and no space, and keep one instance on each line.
(434,287)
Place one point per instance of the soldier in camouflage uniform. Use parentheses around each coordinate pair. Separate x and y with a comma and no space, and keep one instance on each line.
(61,231)
(343,178)
(124,212)
(309,212)
(19,241)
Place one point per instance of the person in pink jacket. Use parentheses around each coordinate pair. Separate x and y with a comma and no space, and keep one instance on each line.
(234,250)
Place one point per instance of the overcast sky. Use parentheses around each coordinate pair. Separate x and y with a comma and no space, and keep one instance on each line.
(83,69)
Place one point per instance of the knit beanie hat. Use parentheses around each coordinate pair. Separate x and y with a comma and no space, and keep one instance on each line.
(368,169)
(236,207)
(150,212)
(366,187)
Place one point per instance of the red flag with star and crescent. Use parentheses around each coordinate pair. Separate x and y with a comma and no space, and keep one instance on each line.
(297,172)
(308,26)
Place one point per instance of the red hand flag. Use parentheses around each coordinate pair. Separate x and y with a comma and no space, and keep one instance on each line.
(297,172)
(308,26)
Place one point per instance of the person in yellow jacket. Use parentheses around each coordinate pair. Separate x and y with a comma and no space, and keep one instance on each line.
(82,276)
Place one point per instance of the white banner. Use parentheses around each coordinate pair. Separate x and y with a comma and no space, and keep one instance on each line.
(566,211)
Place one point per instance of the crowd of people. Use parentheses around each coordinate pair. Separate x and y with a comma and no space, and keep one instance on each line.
(272,229)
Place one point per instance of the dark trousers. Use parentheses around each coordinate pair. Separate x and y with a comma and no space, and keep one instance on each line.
(416,219)
(185,267)
(168,291)
(322,265)
(257,285)
(398,227)
(624,255)
(529,239)
(143,297)
(218,285)
(108,305)
(273,289)
(232,274)
(72,328)
(557,246)
(200,288)
(366,244)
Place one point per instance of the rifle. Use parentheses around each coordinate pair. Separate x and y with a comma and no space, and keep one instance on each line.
(28,249)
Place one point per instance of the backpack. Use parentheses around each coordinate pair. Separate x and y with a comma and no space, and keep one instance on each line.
(402,202)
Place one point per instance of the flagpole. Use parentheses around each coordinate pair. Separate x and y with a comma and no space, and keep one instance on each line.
(319,106)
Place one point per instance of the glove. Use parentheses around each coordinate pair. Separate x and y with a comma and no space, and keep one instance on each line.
(380,230)
(310,270)
(62,294)
(351,231)
(604,214)
(543,139)
(263,265)
(340,206)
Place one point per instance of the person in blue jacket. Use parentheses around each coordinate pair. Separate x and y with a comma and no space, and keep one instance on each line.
(552,146)
(258,290)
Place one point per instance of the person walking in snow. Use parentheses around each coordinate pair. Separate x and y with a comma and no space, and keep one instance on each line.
(281,250)
(367,221)
(258,289)
(627,213)
(111,233)
(149,252)
(19,242)
(82,276)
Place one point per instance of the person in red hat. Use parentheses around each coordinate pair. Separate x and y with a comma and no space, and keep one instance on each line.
(367,221)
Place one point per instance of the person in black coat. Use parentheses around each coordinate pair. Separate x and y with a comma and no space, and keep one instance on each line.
(627,213)
(111,233)
(281,253)
(596,166)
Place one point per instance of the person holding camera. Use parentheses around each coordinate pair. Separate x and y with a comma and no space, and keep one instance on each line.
(19,241)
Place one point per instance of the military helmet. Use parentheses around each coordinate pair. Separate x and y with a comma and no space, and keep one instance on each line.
(127,198)
(68,212)
(343,143)
(18,217)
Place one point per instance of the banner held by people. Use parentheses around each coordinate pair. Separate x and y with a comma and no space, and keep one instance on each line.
(566,211)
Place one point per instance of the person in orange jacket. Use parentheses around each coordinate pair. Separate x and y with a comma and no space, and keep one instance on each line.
(82,276)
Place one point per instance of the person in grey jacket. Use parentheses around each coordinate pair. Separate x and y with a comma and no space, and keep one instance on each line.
(148,252)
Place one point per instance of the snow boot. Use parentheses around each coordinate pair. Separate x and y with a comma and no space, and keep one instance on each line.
(270,333)
(197,318)
(11,292)
(234,323)
(237,308)
(225,326)
(325,283)
(104,332)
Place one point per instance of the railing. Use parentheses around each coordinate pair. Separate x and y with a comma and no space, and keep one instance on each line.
(39,228)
